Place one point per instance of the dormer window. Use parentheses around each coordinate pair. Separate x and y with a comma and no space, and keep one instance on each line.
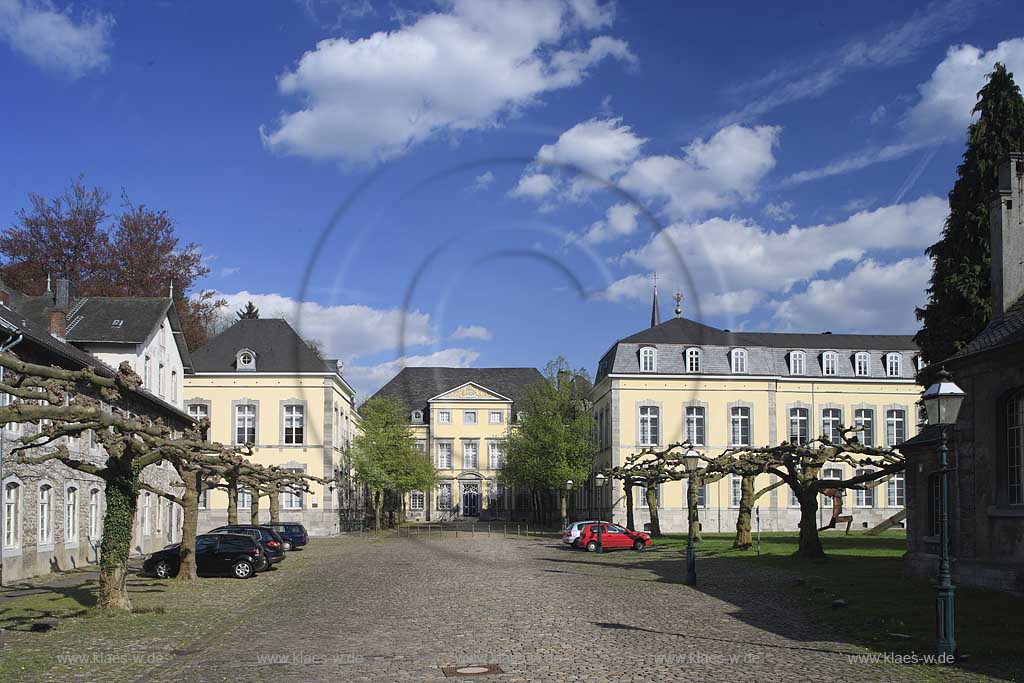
(648,359)
(245,360)
(862,364)
(417,416)
(894,365)
(739,361)
(829,363)
(693,360)
(117,323)
(797,363)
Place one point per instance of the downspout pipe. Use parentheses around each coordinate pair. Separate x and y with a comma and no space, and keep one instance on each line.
(7,346)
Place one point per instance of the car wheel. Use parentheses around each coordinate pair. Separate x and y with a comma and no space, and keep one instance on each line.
(575,543)
(287,545)
(639,545)
(592,546)
(163,570)
(243,570)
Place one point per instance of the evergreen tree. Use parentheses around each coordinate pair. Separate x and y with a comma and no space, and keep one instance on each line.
(959,295)
(250,312)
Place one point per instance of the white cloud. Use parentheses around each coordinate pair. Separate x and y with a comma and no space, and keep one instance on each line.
(228,272)
(467,68)
(619,221)
(734,263)
(873,297)
(534,185)
(947,98)
(53,39)
(366,379)
(855,162)
(346,331)
(472,332)
(483,181)
(781,211)
(597,147)
(710,174)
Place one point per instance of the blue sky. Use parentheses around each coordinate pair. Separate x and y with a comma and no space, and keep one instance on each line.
(500,180)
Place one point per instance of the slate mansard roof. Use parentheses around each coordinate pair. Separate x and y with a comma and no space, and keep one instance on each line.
(416,386)
(998,333)
(277,346)
(767,352)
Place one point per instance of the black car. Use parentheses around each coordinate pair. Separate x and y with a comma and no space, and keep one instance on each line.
(293,534)
(216,555)
(272,543)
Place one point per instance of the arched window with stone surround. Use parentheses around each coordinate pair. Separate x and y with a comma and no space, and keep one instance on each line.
(648,359)
(1014,469)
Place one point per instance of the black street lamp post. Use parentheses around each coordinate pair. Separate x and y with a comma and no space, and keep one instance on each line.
(691,460)
(600,479)
(942,400)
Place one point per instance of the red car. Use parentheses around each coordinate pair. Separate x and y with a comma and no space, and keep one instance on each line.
(613,536)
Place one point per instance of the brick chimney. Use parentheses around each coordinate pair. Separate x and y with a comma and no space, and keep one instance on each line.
(65,295)
(1006,222)
(58,322)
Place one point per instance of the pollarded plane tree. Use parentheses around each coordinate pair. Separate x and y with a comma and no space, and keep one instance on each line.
(69,403)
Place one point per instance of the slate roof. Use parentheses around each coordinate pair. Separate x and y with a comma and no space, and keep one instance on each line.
(767,352)
(19,323)
(998,333)
(414,386)
(277,346)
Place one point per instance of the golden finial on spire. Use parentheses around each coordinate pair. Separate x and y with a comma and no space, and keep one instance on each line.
(679,303)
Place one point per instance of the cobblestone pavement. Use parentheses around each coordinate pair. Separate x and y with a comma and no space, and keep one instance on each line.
(401,609)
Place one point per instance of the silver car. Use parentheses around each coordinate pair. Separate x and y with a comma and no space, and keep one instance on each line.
(573,531)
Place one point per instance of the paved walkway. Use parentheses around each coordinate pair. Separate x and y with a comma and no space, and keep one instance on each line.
(403,609)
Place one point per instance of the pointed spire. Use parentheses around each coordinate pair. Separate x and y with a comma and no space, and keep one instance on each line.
(49,287)
(170,294)
(655,313)
(679,303)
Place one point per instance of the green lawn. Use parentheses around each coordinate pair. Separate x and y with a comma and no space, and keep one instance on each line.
(885,611)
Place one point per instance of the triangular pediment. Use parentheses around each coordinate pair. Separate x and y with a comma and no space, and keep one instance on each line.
(470,391)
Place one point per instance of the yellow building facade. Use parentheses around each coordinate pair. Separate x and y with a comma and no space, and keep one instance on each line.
(460,416)
(258,382)
(684,381)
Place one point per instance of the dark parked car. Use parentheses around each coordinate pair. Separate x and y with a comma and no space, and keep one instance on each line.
(272,543)
(216,555)
(293,534)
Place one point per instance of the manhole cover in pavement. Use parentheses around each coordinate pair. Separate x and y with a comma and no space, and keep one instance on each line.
(471,670)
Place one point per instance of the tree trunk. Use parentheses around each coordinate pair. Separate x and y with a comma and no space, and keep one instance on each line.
(275,505)
(254,508)
(630,523)
(189,524)
(651,493)
(743,540)
(692,487)
(810,543)
(118,522)
(565,510)
(378,508)
(232,501)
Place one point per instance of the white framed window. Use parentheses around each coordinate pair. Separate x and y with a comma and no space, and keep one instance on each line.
(799,426)
(829,363)
(71,514)
(862,364)
(444,417)
(894,365)
(695,425)
(444,495)
(160,380)
(702,496)
(147,512)
(417,416)
(294,424)
(895,427)
(863,498)
(198,411)
(470,455)
(739,426)
(739,360)
(735,490)
(794,502)
(174,386)
(147,377)
(244,498)
(495,417)
(291,498)
(649,433)
(421,445)
(95,519)
(864,422)
(444,455)
(693,360)
(245,423)
(834,474)
(45,516)
(1015,448)
(204,499)
(831,421)
(469,417)
(495,455)
(648,359)
(897,491)
(417,501)
(797,363)
(245,360)
(12,514)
